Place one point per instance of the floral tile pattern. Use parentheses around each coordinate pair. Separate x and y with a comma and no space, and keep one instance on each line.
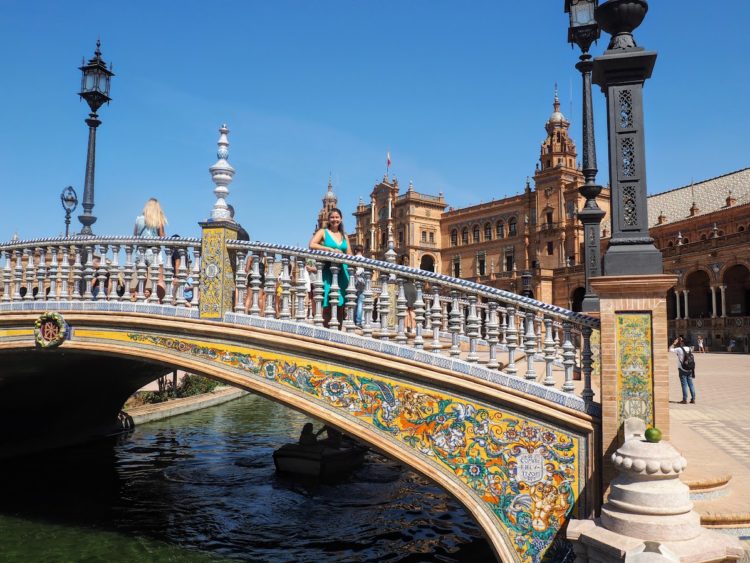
(635,368)
(530,474)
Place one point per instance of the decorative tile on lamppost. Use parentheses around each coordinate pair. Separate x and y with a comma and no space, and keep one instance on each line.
(583,31)
(95,82)
(621,73)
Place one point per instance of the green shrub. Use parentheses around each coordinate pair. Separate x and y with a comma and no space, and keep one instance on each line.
(195,385)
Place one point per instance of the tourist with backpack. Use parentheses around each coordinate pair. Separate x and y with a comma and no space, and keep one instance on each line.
(685,367)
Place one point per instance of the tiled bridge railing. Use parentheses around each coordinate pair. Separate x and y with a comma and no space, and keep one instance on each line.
(453,317)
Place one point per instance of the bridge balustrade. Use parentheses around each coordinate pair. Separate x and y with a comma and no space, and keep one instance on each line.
(453,317)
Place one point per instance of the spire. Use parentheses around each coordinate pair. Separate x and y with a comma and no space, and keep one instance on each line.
(222,174)
(556,103)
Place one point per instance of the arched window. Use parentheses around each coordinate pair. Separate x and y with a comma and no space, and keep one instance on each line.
(475,233)
(454,237)
(512,227)
(500,229)
(465,236)
(487,231)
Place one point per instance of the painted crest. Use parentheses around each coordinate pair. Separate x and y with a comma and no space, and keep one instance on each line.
(50,330)
(530,468)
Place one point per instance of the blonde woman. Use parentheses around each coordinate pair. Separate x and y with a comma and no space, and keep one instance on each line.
(150,224)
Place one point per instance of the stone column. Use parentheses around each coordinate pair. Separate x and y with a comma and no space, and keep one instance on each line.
(687,315)
(634,356)
(677,303)
(713,302)
(723,289)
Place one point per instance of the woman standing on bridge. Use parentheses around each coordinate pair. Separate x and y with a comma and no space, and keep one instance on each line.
(333,239)
(150,224)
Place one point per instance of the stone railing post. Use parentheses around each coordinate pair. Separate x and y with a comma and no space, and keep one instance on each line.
(216,274)
(634,356)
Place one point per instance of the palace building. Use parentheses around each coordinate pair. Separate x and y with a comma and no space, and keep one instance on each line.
(702,230)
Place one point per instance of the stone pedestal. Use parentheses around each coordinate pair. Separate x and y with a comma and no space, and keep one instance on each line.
(634,356)
(648,515)
(217,273)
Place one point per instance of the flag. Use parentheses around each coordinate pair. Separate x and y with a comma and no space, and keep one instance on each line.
(388,159)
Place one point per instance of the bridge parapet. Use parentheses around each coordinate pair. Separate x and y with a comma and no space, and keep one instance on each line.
(456,318)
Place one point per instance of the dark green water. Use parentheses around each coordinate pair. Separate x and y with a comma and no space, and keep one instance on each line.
(202,487)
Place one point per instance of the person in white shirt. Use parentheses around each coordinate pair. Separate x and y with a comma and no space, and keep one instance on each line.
(680,350)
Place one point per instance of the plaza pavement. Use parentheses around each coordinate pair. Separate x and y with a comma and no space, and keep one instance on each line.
(714,436)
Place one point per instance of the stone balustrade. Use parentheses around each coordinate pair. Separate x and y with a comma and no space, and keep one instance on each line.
(456,318)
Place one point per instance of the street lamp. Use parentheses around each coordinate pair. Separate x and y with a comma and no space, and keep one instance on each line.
(69,200)
(583,31)
(95,90)
(621,72)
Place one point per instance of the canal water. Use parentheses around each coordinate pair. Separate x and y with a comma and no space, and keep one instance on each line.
(202,487)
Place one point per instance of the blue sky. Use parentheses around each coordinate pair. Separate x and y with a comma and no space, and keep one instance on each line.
(457,91)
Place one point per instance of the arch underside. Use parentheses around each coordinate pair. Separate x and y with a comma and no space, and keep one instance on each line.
(520,474)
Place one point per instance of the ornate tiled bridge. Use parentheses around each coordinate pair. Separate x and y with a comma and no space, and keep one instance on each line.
(490,396)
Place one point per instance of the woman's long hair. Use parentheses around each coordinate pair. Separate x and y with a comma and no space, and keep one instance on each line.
(341,225)
(153,216)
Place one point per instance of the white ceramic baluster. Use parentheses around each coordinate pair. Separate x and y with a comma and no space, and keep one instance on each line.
(28,279)
(385,306)
(568,357)
(300,313)
(318,294)
(367,326)
(65,273)
(512,338)
(400,311)
(6,276)
(436,317)
(472,329)
(285,312)
(530,346)
(549,351)
(418,316)
(333,297)
(587,364)
(454,324)
(492,332)
(41,274)
(270,286)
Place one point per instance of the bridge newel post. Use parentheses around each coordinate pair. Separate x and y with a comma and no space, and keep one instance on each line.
(436,318)
(512,339)
(6,276)
(367,307)
(318,294)
(530,345)
(492,334)
(454,324)
(41,274)
(634,349)
(549,351)
(285,312)
(568,357)
(216,286)
(400,311)
(418,316)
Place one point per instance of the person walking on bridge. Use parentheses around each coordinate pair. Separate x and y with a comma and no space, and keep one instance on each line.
(333,239)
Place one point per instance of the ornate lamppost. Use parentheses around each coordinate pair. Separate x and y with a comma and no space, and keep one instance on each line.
(583,31)
(621,72)
(95,90)
(69,200)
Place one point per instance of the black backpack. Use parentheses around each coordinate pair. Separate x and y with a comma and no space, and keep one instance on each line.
(688,360)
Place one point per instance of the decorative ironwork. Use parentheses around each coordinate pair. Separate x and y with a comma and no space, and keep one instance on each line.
(50,330)
(625,101)
(629,208)
(627,152)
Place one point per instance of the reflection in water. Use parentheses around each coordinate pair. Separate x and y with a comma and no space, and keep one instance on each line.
(202,487)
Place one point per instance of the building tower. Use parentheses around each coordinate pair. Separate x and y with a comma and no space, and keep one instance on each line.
(330,201)
(553,209)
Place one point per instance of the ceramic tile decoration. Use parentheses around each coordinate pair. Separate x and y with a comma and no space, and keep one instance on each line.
(529,473)
(635,369)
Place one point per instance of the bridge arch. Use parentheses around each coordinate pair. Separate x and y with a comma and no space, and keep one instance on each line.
(470,436)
